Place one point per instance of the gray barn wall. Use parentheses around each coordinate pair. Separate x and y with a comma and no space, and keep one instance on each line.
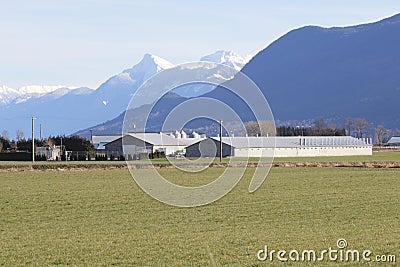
(115,148)
(209,148)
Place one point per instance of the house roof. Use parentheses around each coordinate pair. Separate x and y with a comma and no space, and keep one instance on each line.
(394,140)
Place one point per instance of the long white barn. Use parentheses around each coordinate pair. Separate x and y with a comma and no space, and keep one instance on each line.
(200,146)
(310,146)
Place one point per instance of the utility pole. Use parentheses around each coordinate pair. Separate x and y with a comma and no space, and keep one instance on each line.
(220,141)
(40,132)
(61,148)
(91,136)
(33,139)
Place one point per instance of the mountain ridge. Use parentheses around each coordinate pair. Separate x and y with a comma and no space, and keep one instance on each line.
(64,112)
(332,73)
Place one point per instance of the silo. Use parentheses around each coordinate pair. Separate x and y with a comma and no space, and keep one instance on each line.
(183,134)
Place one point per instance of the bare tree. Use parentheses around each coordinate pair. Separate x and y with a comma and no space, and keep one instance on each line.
(261,128)
(333,128)
(49,142)
(349,124)
(382,134)
(19,135)
(360,124)
(320,124)
(5,134)
(396,132)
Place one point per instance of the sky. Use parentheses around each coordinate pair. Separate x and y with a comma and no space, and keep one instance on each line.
(84,42)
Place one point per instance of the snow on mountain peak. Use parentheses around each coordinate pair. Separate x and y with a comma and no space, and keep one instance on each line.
(40,89)
(160,62)
(147,67)
(228,58)
(22,94)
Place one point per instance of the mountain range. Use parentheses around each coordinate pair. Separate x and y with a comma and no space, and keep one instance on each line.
(63,110)
(338,72)
(309,73)
(314,72)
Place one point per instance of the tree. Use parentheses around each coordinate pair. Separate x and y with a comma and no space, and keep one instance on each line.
(380,133)
(5,134)
(332,128)
(360,124)
(396,132)
(26,144)
(349,124)
(310,131)
(19,135)
(319,124)
(73,143)
(49,142)
(261,128)
(4,144)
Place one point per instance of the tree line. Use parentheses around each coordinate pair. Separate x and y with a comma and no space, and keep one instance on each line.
(67,143)
(357,127)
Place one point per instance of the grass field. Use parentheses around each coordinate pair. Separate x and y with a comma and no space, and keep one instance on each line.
(376,156)
(101,218)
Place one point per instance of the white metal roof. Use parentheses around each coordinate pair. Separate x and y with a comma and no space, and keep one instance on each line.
(394,140)
(103,139)
(291,141)
(161,139)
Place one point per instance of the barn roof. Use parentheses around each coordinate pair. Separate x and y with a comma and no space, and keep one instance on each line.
(161,139)
(289,141)
(97,139)
(100,140)
(394,140)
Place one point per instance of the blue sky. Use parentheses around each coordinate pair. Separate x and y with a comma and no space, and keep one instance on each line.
(82,43)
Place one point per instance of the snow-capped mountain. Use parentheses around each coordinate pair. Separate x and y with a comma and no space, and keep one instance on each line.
(63,110)
(135,76)
(228,58)
(7,94)
(41,89)
(22,94)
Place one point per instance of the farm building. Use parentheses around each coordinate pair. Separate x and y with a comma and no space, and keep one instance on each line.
(394,141)
(99,141)
(309,146)
(50,152)
(133,144)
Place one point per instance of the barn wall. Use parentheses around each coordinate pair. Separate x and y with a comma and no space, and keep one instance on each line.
(168,149)
(132,146)
(304,151)
(210,148)
(323,151)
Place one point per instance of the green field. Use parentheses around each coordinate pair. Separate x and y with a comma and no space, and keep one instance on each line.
(376,156)
(102,218)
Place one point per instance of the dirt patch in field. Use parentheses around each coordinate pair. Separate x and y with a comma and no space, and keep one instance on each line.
(357,164)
